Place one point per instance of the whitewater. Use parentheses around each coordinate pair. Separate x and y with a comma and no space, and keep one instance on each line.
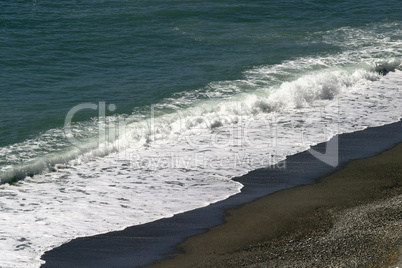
(116,171)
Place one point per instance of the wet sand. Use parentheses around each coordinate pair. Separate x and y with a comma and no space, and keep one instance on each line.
(278,216)
(352,218)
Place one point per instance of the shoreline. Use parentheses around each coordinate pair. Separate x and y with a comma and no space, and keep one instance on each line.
(148,243)
(351,217)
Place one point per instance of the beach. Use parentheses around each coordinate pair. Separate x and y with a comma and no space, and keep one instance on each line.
(351,218)
(128,128)
(300,203)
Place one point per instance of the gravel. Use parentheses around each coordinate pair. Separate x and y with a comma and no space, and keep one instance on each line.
(363,236)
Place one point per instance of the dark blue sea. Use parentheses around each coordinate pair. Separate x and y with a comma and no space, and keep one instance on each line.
(117,113)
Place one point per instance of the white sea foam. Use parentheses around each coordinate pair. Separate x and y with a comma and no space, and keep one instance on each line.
(175,161)
(134,186)
(43,154)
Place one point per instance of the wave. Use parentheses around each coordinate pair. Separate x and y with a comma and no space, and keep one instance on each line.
(365,55)
(203,117)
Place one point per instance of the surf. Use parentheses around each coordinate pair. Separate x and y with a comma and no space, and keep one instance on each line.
(116,133)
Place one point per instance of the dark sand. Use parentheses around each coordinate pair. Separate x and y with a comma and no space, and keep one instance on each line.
(261,231)
(352,218)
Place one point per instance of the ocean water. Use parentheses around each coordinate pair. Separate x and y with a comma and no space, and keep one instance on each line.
(117,113)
